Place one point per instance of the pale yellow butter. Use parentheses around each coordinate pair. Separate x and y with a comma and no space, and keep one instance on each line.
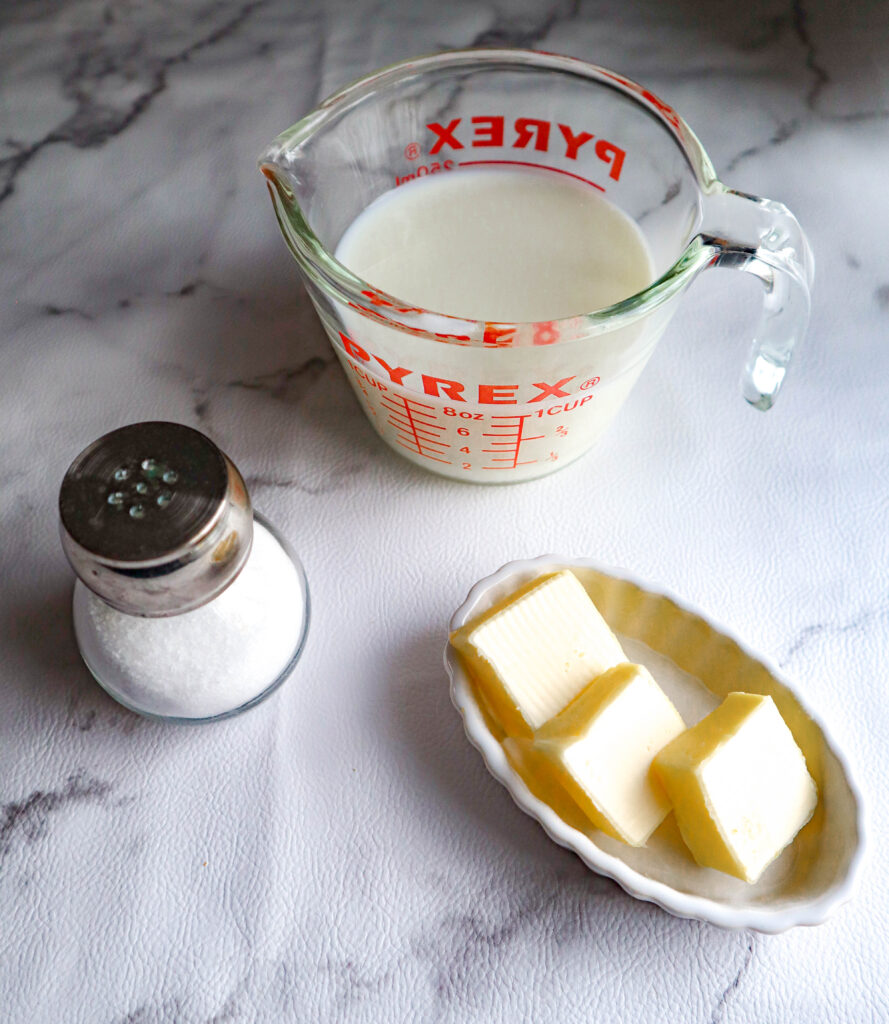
(534,652)
(739,786)
(601,748)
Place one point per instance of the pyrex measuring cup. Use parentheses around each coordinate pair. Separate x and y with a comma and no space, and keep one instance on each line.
(498,402)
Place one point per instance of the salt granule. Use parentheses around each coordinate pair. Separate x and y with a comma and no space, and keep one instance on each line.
(207,661)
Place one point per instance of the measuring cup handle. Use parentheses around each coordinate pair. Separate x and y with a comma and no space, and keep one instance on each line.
(763,238)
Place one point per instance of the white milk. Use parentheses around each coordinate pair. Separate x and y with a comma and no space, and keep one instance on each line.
(498,245)
(515,246)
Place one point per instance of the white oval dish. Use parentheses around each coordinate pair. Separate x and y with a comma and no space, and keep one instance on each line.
(696,663)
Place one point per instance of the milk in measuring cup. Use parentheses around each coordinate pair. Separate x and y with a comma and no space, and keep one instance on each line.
(498,245)
(504,247)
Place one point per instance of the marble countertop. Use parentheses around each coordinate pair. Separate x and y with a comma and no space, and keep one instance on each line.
(340,853)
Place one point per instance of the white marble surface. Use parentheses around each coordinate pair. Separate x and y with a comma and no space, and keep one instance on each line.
(340,854)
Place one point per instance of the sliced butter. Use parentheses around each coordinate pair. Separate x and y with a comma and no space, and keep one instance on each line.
(739,786)
(534,652)
(602,746)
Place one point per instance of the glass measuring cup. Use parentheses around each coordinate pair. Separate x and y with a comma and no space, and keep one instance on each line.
(503,402)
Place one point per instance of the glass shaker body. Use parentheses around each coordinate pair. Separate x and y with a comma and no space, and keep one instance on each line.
(186,609)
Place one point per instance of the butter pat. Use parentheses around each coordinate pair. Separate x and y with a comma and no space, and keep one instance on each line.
(602,746)
(739,786)
(534,652)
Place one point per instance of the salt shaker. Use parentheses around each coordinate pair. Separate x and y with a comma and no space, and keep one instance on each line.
(187,607)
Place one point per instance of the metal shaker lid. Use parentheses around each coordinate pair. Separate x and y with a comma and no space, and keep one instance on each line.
(155,519)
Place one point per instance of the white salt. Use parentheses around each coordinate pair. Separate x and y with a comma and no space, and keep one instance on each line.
(204,662)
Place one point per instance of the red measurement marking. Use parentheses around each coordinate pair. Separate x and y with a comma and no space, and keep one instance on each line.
(415,426)
(406,426)
(507,442)
(369,405)
(422,408)
(397,419)
(528,163)
(426,455)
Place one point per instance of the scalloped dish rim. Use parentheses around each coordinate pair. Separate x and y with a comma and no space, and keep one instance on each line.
(638,884)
